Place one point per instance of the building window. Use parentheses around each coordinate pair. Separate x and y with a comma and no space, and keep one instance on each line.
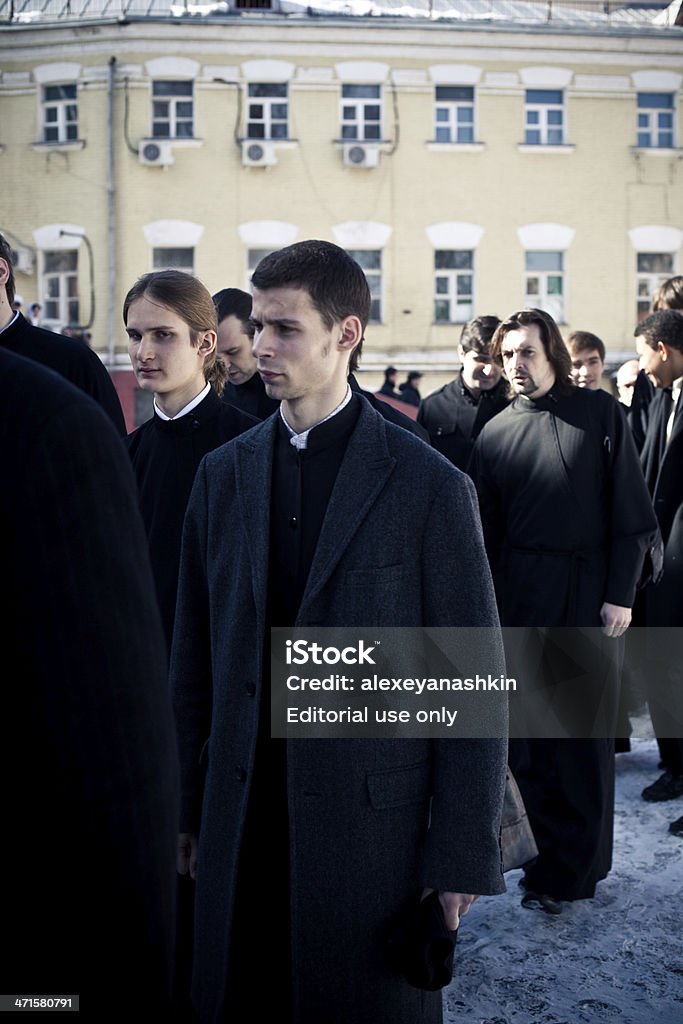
(253,5)
(172,110)
(656,120)
(361,112)
(268,110)
(371,262)
(254,257)
(60,287)
(177,258)
(545,283)
(454,113)
(653,269)
(544,117)
(60,113)
(453,285)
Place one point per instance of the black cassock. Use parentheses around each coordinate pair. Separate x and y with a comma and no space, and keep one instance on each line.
(567,519)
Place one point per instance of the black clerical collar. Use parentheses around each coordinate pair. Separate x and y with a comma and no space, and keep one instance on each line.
(301,440)
(339,423)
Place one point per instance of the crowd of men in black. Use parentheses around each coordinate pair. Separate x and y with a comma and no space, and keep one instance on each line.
(270,489)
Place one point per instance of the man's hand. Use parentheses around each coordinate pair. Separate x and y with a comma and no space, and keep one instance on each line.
(186,855)
(454,905)
(615,619)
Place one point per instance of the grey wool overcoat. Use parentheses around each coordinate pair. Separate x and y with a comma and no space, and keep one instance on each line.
(369,820)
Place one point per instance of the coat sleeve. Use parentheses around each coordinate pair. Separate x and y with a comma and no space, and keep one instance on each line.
(462,848)
(190,676)
(633,521)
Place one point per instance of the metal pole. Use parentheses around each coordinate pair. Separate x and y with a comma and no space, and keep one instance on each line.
(111,218)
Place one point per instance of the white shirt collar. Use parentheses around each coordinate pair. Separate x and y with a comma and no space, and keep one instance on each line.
(300,441)
(188,408)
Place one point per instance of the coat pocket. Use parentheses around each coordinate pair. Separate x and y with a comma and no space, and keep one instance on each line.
(399,786)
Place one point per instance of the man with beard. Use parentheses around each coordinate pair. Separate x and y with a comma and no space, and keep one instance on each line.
(567,520)
(455,414)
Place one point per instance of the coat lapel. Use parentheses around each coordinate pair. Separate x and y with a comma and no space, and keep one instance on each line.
(253,476)
(366,466)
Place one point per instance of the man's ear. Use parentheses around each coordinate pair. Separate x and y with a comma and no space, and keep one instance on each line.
(4,271)
(207,342)
(351,333)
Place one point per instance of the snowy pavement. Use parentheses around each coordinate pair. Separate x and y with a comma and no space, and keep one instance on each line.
(617,958)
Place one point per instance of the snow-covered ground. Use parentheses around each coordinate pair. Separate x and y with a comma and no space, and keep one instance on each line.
(617,958)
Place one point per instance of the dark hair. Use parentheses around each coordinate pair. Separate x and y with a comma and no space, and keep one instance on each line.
(234,302)
(665,325)
(556,351)
(477,334)
(669,295)
(390,372)
(192,302)
(334,280)
(584,341)
(414,375)
(6,254)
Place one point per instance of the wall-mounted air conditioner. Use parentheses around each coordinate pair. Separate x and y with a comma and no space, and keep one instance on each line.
(361,154)
(22,260)
(155,152)
(258,153)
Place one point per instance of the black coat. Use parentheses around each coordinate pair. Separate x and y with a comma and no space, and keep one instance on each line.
(87,747)
(369,820)
(165,456)
(454,419)
(250,397)
(71,359)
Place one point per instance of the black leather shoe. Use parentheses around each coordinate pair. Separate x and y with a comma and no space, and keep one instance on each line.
(676,827)
(667,787)
(541,901)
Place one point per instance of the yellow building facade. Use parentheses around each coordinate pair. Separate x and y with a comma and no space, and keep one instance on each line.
(473,167)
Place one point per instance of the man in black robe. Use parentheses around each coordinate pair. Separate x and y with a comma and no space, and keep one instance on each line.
(659,340)
(455,414)
(243,388)
(567,520)
(66,356)
(171,325)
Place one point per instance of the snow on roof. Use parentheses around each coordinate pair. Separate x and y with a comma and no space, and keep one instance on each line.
(609,13)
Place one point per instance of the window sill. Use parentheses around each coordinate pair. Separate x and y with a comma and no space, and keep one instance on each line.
(656,151)
(63,147)
(278,143)
(192,143)
(523,147)
(456,147)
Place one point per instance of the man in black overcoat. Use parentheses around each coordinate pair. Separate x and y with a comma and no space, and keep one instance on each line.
(307,851)
(88,760)
(659,340)
(69,357)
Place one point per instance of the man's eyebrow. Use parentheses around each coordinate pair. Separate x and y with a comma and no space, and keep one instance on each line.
(285,321)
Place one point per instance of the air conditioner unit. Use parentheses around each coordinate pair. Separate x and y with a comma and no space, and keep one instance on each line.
(258,153)
(22,260)
(155,152)
(361,154)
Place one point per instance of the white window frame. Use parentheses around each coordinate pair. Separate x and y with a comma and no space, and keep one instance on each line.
(269,123)
(649,127)
(173,117)
(254,256)
(454,279)
(648,279)
(65,109)
(62,308)
(545,297)
(453,125)
(374,275)
(535,106)
(355,109)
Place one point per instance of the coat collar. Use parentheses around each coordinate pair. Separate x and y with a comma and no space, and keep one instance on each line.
(365,468)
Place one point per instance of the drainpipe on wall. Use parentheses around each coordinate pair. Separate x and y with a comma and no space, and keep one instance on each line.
(111,218)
